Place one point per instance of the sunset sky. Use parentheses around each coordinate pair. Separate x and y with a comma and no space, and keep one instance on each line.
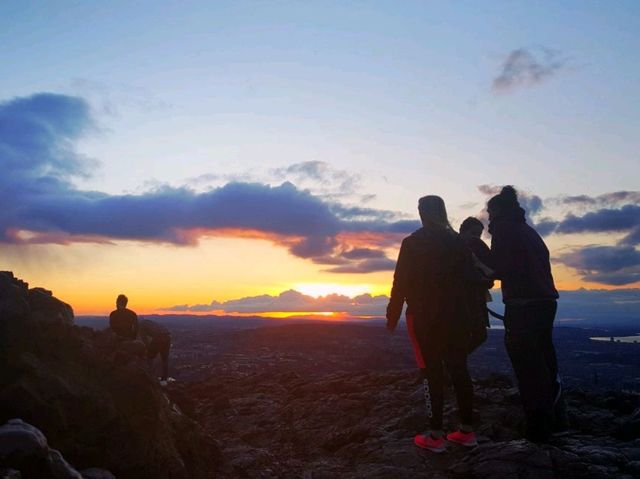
(209,156)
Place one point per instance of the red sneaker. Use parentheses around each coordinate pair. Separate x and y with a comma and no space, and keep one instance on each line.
(429,442)
(467,439)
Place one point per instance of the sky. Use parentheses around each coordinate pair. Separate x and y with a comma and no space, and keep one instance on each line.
(251,157)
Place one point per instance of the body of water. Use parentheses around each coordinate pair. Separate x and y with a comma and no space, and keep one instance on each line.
(618,339)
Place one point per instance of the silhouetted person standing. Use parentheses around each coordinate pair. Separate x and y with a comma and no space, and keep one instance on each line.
(157,338)
(520,260)
(123,321)
(471,231)
(430,276)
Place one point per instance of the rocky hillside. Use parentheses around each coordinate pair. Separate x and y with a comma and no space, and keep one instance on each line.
(90,394)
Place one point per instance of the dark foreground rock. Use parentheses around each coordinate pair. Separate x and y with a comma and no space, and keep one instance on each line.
(317,422)
(91,394)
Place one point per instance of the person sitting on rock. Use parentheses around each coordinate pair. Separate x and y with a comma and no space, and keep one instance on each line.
(157,338)
(123,321)
(432,274)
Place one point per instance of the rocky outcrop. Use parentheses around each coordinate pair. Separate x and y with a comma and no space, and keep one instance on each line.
(91,395)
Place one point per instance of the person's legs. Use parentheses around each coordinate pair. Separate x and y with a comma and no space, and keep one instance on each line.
(433,380)
(456,361)
(524,333)
(428,351)
(547,313)
(428,357)
(164,356)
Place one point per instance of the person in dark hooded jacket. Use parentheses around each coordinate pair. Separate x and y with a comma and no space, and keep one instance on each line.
(430,276)
(520,260)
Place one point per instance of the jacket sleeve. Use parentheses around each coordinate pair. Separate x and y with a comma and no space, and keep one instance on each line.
(484,254)
(502,256)
(400,286)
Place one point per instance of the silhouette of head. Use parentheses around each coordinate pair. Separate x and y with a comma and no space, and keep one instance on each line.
(121,301)
(505,201)
(471,227)
(433,212)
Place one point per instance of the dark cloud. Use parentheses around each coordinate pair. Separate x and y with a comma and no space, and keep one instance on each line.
(363,253)
(633,238)
(294,301)
(37,139)
(626,218)
(613,265)
(618,211)
(40,204)
(527,67)
(366,266)
(614,199)
(546,226)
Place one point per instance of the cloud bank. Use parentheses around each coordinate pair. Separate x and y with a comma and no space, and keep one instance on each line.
(294,301)
(582,305)
(40,204)
(39,162)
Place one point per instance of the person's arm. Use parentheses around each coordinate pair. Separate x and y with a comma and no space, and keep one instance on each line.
(483,253)
(502,256)
(111,322)
(399,288)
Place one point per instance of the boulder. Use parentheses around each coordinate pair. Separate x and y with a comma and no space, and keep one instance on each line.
(21,442)
(7,473)
(61,469)
(96,473)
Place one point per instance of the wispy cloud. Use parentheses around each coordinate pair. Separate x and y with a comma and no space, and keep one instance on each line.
(525,67)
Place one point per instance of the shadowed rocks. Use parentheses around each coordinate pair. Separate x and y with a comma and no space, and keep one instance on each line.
(91,394)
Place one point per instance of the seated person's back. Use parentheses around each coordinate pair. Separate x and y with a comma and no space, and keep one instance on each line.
(123,321)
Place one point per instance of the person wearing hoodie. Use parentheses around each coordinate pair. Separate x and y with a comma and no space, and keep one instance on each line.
(520,260)
(432,270)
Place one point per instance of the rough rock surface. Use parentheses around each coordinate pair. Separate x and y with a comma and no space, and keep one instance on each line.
(90,394)
(332,421)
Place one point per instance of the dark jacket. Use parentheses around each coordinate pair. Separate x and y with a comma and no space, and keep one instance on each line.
(124,323)
(520,259)
(432,274)
(478,248)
